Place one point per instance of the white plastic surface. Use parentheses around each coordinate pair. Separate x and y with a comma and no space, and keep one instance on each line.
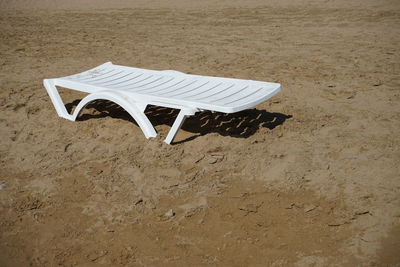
(133,89)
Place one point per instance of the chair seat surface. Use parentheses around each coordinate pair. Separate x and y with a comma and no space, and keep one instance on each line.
(172,88)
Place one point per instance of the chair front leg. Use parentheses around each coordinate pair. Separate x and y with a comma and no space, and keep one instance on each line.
(56,99)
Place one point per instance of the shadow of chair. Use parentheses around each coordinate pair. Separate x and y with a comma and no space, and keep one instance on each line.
(240,124)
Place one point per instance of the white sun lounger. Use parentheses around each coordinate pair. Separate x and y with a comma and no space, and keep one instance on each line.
(133,89)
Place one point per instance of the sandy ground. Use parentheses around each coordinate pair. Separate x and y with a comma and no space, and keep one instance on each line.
(309,178)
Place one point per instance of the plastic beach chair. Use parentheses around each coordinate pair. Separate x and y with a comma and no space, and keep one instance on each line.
(133,89)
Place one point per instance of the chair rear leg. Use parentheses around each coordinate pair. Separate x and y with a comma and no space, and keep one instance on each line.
(180,119)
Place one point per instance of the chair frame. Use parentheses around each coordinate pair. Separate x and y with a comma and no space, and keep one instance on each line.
(135,105)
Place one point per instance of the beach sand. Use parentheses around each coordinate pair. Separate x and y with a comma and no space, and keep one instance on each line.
(308,178)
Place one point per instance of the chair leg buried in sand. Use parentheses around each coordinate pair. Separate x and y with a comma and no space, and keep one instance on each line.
(133,89)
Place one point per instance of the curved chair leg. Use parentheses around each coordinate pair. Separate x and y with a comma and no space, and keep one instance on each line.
(135,109)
